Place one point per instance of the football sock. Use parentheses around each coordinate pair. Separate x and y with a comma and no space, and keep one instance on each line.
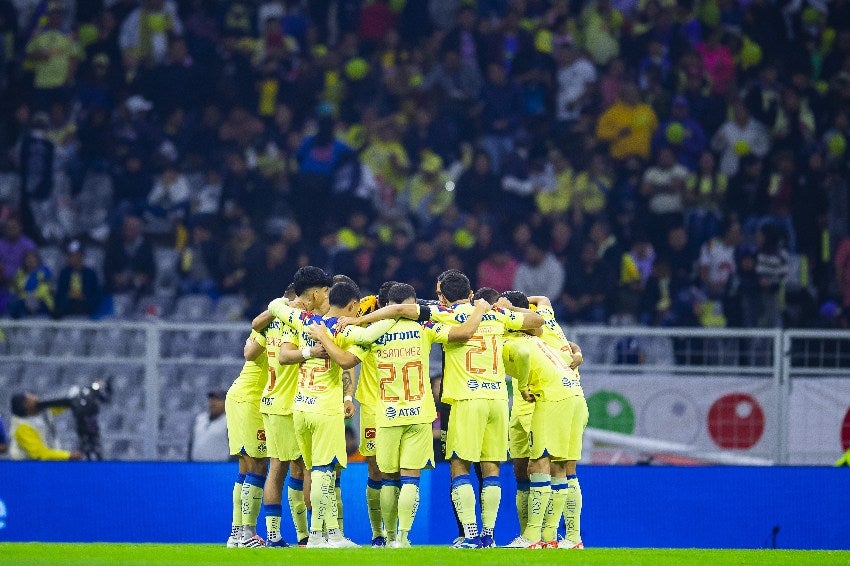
(273,522)
(463,498)
(373,505)
(522,487)
(323,499)
(338,497)
(297,506)
(252,499)
(236,525)
(572,509)
(491,497)
(538,501)
(408,503)
(389,506)
(556,506)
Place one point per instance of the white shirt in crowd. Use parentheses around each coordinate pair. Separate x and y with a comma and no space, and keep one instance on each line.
(209,439)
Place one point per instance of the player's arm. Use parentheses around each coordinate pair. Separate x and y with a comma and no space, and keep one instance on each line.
(578,358)
(291,317)
(290,354)
(520,357)
(540,301)
(520,319)
(365,336)
(253,349)
(346,360)
(464,332)
(348,387)
(262,320)
(410,311)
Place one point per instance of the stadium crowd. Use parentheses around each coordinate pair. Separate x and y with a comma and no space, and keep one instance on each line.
(640,161)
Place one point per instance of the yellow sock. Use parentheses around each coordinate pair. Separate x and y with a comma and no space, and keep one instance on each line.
(572,509)
(538,502)
(297,506)
(408,503)
(491,497)
(389,506)
(252,500)
(338,497)
(323,499)
(522,503)
(463,498)
(556,506)
(373,506)
(237,503)
(273,522)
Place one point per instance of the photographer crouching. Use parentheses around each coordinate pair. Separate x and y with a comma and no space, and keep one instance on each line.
(33,429)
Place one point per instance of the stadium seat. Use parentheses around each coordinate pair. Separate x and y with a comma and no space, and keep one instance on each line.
(123,305)
(229,308)
(153,307)
(192,307)
(68,342)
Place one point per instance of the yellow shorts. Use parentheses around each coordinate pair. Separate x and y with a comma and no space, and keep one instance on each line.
(367,431)
(321,439)
(518,431)
(478,430)
(405,446)
(245,432)
(557,428)
(281,442)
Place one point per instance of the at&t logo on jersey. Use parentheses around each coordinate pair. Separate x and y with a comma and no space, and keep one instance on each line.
(492,385)
(472,384)
(306,399)
(405,412)
(390,412)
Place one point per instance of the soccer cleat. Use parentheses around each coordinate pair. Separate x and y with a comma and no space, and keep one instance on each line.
(522,542)
(549,544)
(379,542)
(316,541)
(569,544)
(254,542)
(303,542)
(276,543)
(340,541)
(487,541)
(398,544)
(474,542)
(232,542)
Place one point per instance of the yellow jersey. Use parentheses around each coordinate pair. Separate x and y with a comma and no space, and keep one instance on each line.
(515,356)
(248,387)
(548,376)
(474,369)
(282,381)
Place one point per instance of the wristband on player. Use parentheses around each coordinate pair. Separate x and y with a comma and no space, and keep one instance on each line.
(347,398)
(305,351)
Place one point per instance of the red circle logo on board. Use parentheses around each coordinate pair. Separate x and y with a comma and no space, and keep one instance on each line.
(845,432)
(736,420)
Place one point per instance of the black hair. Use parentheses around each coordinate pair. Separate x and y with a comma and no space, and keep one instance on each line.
(340,278)
(400,292)
(343,293)
(516,298)
(290,292)
(383,292)
(454,285)
(489,294)
(309,277)
(19,408)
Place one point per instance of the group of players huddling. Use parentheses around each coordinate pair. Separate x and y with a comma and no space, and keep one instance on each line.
(286,410)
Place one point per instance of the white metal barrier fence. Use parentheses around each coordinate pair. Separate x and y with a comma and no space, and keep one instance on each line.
(766,394)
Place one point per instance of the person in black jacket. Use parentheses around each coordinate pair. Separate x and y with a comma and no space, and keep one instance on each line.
(78,289)
(129,265)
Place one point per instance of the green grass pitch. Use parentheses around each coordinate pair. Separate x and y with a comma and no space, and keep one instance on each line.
(178,554)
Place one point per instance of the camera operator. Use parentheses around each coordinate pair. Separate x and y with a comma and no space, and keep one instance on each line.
(33,431)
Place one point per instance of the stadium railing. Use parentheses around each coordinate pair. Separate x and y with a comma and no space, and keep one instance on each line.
(656,395)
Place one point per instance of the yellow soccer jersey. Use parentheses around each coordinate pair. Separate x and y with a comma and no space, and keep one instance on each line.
(554,335)
(516,359)
(282,381)
(320,380)
(248,387)
(474,369)
(367,385)
(404,383)
(549,377)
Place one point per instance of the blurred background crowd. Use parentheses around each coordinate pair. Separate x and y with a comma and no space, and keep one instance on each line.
(658,162)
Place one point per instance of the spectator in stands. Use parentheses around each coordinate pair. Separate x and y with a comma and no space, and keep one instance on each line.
(772,264)
(14,246)
(144,34)
(628,125)
(78,290)
(33,432)
(705,193)
(586,288)
(739,136)
(208,439)
(663,187)
(168,202)
(498,270)
(240,249)
(55,54)
(501,112)
(683,133)
(199,261)
(35,155)
(129,265)
(264,277)
(717,259)
(540,274)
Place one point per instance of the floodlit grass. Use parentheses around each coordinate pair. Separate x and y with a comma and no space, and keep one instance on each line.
(94,554)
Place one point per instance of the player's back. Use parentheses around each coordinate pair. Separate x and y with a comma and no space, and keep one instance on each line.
(282,382)
(474,369)
(320,379)
(248,386)
(550,376)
